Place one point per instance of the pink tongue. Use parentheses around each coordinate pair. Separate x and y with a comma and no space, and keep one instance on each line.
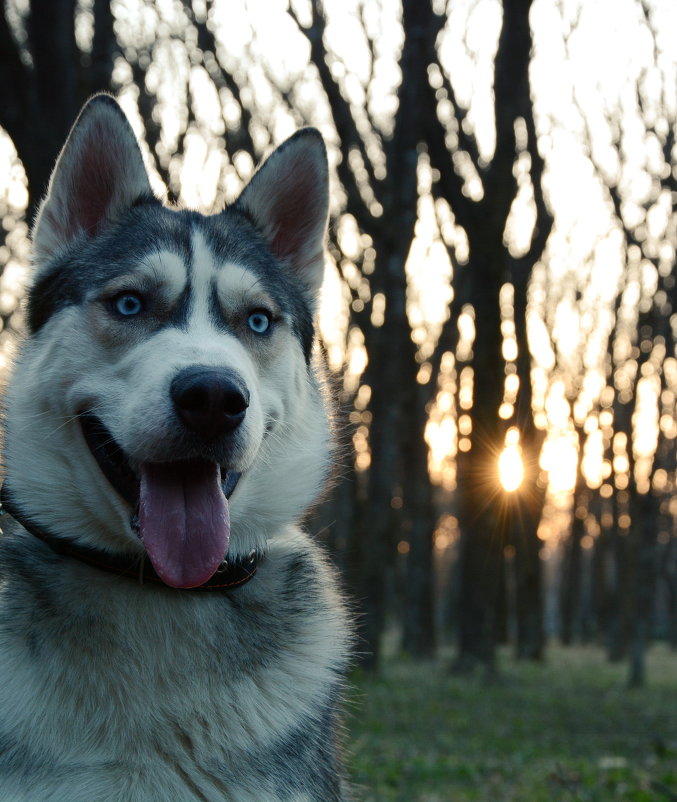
(184,520)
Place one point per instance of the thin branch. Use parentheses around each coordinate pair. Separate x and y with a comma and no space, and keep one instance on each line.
(344,120)
(544,218)
(240,139)
(511,92)
(466,142)
(450,183)
(146,104)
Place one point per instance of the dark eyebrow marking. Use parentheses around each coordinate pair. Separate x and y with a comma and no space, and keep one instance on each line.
(89,263)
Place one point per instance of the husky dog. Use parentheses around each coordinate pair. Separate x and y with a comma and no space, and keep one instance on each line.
(167,631)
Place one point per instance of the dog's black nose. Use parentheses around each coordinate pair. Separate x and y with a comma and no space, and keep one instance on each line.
(209,401)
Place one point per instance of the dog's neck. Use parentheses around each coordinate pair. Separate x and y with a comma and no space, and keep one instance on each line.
(232,573)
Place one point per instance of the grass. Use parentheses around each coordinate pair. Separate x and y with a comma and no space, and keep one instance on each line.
(567,731)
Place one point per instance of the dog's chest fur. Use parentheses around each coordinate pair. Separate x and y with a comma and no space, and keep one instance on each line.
(174,695)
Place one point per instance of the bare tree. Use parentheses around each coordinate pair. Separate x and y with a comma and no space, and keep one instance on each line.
(46,75)
(486,516)
(641,349)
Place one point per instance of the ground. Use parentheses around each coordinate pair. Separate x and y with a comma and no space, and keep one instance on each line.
(566,731)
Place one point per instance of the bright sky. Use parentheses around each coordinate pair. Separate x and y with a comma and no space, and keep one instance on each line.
(594,71)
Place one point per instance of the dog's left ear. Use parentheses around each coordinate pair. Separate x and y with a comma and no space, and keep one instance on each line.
(288,201)
(98,176)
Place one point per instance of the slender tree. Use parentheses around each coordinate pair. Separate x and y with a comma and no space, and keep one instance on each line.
(642,345)
(486,516)
(46,75)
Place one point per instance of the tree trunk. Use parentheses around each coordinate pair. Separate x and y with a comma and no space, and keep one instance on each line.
(419,620)
(530,642)
(389,347)
(40,100)
(530,497)
(644,542)
(376,541)
(619,624)
(483,523)
(572,568)
(483,518)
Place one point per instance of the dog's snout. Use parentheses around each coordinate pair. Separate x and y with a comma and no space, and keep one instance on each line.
(211,402)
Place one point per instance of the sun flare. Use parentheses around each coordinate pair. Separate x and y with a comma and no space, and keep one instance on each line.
(510,464)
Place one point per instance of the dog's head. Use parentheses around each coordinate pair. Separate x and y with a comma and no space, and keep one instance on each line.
(169,354)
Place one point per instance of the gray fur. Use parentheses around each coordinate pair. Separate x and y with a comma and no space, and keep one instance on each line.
(115,691)
(147,228)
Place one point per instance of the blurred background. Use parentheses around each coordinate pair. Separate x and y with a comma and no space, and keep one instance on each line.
(499,312)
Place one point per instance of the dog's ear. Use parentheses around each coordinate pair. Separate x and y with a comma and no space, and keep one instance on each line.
(288,201)
(99,174)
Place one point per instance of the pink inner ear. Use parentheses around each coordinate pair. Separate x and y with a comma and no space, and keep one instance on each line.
(292,210)
(94,182)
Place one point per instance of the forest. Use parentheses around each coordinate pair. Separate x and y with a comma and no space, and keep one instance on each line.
(499,312)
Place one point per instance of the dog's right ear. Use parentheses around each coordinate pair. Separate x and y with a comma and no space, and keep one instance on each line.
(99,174)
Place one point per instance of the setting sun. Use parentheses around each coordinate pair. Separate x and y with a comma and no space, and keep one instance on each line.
(510,465)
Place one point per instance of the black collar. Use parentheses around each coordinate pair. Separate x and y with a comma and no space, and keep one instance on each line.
(230,575)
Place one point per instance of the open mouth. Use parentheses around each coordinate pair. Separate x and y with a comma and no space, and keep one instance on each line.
(183,513)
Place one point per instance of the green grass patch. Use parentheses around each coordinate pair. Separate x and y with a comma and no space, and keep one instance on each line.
(566,731)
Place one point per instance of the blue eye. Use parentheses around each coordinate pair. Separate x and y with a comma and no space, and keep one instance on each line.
(259,321)
(128,304)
